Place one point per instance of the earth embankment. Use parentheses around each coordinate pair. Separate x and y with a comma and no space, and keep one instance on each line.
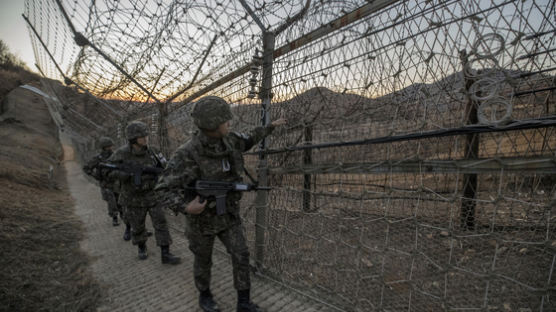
(42,265)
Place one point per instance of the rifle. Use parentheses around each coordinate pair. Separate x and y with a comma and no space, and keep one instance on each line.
(91,168)
(219,190)
(134,169)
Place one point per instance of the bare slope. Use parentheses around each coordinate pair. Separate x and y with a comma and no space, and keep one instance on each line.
(42,267)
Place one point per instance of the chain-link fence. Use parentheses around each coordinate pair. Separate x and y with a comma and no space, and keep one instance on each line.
(417,169)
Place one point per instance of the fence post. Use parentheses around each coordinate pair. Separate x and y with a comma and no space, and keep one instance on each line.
(163,139)
(467,214)
(261,201)
(307,160)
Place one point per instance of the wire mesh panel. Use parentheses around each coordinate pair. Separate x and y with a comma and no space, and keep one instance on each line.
(416,171)
(383,200)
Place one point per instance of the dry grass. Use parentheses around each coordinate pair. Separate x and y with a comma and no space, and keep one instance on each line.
(43,268)
(11,79)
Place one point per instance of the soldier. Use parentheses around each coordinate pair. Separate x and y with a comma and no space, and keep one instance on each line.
(214,154)
(106,188)
(139,198)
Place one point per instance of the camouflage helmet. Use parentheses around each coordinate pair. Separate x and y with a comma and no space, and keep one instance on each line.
(210,112)
(105,142)
(136,129)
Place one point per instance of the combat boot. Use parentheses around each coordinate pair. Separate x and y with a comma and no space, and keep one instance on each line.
(167,257)
(115,221)
(244,303)
(248,307)
(142,248)
(127,232)
(207,303)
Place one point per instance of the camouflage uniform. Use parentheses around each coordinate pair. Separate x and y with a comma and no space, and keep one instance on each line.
(215,159)
(140,200)
(108,190)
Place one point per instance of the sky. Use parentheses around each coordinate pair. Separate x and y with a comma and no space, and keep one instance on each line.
(13,31)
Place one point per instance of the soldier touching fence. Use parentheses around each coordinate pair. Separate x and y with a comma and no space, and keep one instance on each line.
(215,154)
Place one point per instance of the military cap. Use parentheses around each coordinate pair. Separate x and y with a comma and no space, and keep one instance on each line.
(210,112)
(136,129)
(105,142)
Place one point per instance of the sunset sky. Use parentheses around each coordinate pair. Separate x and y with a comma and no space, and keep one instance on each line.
(13,31)
(167,62)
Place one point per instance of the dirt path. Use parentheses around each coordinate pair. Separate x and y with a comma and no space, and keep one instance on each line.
(135,285)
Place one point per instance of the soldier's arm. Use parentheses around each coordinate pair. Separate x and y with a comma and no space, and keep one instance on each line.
(256,135)
(117,159)
(91,166)
(180,173)
(87,169)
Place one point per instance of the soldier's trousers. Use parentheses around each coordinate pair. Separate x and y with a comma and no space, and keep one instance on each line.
(111,200)
(234,240)
(121,209)
(136,216)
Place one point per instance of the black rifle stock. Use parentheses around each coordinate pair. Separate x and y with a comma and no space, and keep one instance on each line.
(219,190)
(134,169)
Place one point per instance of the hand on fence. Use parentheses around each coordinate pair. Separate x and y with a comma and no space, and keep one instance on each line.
(279,122)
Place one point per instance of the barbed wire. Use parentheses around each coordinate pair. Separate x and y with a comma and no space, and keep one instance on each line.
(416,171)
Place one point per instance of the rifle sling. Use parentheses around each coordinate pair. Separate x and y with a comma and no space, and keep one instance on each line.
(255,182)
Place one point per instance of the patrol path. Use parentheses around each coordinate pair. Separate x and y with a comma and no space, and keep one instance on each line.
(134,285)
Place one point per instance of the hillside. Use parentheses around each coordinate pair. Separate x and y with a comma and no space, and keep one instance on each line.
(43,268)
